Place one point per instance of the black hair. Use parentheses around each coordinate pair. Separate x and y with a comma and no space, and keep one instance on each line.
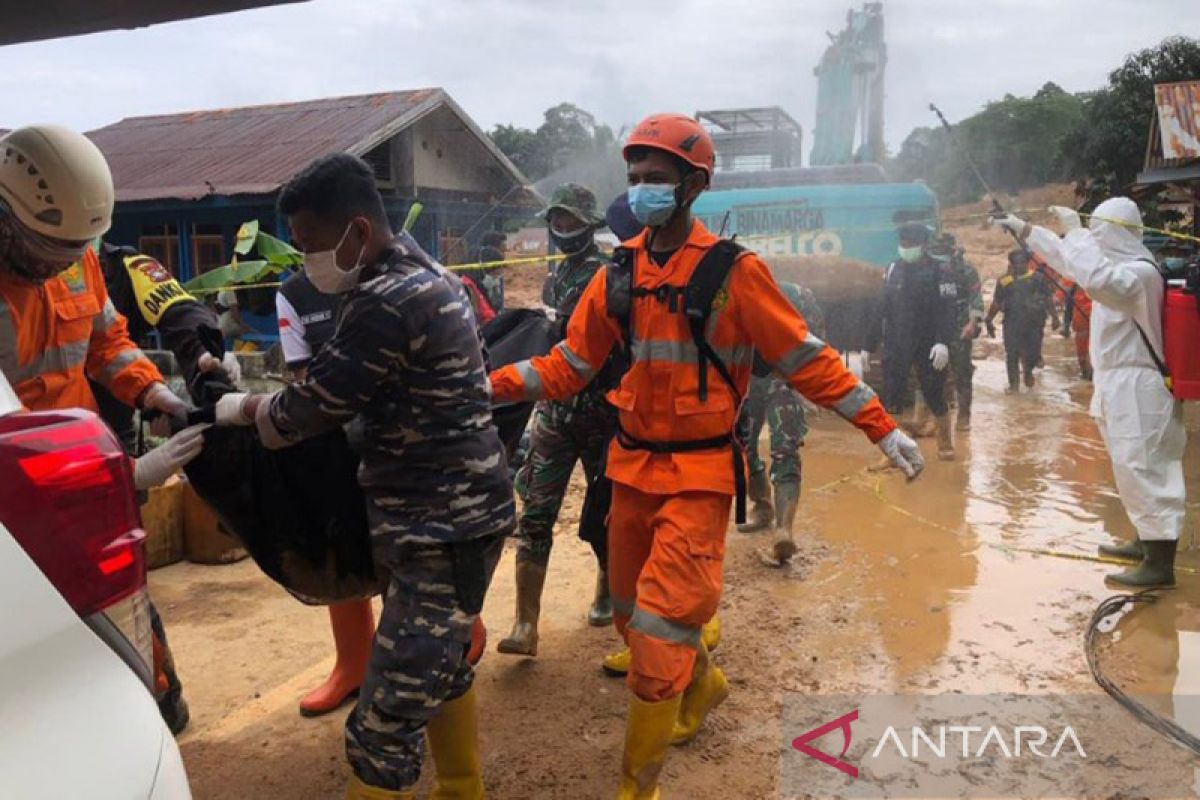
(337,187)
(914,232)
(640,152)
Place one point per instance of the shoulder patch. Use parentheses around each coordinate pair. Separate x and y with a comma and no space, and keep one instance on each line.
(1006,280)
(153,287)
(74,278)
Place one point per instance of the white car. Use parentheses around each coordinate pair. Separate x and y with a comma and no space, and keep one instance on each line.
(77,716)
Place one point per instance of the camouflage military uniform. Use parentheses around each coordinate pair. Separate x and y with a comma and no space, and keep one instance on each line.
(406,370)
(771,401)
(969,308)
(563,433)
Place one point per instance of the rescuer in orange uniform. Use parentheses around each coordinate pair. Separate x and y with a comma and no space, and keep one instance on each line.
(671,460)
(57,325)
(1077,313)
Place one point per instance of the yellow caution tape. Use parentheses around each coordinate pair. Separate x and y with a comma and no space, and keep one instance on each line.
(1037,551)
(1173,234)
(1026,211)
(237,287)
(511,262)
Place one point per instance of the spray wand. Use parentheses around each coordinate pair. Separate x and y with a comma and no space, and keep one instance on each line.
(999,211)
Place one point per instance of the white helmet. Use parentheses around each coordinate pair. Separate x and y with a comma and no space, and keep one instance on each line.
(56,182)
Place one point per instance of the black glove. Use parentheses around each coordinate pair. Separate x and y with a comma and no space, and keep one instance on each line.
(474,563)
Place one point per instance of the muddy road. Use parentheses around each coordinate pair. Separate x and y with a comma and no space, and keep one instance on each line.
(944,584)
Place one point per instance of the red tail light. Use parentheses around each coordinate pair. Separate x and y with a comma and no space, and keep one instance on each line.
(66,495)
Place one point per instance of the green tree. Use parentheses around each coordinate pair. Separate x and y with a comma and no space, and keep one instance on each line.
(568,135)
(522,147)
(1015,143)
(1109,144)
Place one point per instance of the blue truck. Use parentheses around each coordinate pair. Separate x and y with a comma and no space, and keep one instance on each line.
(808,223)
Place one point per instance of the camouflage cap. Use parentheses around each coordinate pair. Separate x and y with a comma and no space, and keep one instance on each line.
(576,200)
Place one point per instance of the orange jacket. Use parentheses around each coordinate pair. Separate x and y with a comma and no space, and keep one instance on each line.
(658,397)
(56,335)
(1083,303)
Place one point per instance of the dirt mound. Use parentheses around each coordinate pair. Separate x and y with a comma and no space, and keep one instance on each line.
(831,278)
(986,246)
(523,285)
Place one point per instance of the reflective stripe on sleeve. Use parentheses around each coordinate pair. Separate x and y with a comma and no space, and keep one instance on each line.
(855,400)
(800,355)
(531,380)
(582,368)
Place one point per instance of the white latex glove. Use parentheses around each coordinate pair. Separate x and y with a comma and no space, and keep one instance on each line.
(155,467)
(903,453)
(1011,222)
(160,398)
(1068,218)
(939,356)
(231,410)
(230,364)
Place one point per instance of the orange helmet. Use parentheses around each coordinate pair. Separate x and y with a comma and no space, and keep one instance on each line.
(677,134)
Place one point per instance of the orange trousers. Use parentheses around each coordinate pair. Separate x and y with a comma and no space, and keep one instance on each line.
(665,554)
(1082,343)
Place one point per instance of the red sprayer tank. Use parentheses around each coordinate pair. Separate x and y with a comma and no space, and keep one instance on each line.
(1181,341)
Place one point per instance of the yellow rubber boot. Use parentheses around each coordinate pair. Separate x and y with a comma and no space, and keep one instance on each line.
(357,790)
(453,737)
(710,634)
(616,664)
(647,737)
(708,689)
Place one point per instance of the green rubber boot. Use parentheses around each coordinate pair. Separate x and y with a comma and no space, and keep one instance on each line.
(1126,551)
(1156,569)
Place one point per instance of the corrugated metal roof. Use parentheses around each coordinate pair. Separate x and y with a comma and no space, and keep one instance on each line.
(27,22)
(250,150)
(1179,119)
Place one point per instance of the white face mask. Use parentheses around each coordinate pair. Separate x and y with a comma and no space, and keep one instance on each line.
(322,269)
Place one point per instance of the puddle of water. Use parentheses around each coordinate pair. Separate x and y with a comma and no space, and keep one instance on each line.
(939,566)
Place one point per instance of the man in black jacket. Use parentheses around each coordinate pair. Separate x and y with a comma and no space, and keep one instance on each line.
(916,326)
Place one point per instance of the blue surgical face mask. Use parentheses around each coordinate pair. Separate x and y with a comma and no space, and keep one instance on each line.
(653,204)
(910,255)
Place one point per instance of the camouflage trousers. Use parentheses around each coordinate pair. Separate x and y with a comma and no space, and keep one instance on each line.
(419,660)
(561,435)
(772,402)
(962,368)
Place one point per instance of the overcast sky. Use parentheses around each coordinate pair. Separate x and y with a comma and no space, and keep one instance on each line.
(508,60)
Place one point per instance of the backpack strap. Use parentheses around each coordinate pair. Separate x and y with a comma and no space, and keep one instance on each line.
(701,291)
(618,295)
(1158,362)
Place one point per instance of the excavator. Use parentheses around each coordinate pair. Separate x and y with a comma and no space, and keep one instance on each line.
(830,225)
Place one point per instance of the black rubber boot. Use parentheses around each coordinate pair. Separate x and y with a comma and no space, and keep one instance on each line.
(1126,551)
(758,490)
(1157,567)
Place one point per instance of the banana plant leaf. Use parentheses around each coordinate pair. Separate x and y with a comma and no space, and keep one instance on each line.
(256,271)
(276,251)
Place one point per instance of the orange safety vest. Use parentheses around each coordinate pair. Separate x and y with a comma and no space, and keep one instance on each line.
(658,397)
(56,335)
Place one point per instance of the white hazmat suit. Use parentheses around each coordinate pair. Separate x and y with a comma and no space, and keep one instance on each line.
(1141,422)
